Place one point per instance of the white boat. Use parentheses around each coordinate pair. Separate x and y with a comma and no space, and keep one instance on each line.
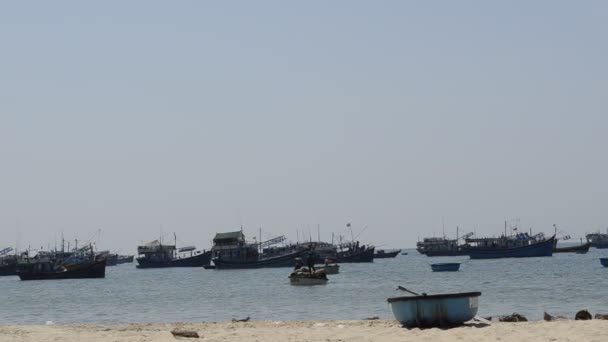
(330,269)
(304,277)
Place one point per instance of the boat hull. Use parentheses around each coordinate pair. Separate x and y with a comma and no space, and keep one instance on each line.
(330,269)
(446,267)
(301,281)
(387,255)
(96,269)
(364,256)
(442,253)
(436,310)
(198,260)
(541,249)
(582,249)
(604,262)
(287,260)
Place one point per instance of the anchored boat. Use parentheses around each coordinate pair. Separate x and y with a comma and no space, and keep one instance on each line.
(158,255)
(232,251)
(604,262)
(440,310)
(517,246)
(82,264)
(386,254)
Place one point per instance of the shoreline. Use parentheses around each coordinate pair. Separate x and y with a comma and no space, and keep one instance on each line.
(328,330)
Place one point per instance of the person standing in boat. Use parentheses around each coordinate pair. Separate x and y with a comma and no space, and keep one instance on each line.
(311,261)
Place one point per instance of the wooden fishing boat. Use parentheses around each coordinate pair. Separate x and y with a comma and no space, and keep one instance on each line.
(83,263)
(305,277)
(386,254)
(446,267)
(604,262)
(158,255)
(355,254)
(582,249)
(441,310)
(508,247)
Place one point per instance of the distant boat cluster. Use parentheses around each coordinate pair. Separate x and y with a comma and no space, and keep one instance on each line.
(515,245)
(231,250)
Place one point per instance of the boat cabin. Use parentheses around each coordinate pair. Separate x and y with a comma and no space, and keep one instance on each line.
(156,251)
(232,246)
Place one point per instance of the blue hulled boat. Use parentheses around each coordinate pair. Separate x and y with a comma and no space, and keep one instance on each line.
(441,310)
(518,246)
(446,267)
(604,262)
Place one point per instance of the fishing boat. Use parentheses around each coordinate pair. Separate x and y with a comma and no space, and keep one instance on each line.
(442,246)
(386,254)
(440,310)
(155,254)
(231,251)
(604,262)
(354,252)
(518,246)
(598,240)
(446,267)
(8,262)
(305,277)
(403,253)
(581,249)
(82,264)
(125,259)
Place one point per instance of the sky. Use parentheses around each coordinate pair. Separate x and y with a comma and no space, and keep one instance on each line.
(404,118)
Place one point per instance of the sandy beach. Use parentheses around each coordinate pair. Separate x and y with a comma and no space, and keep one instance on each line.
(380,330)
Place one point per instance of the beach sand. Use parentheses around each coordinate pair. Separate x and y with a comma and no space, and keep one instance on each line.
(380,330)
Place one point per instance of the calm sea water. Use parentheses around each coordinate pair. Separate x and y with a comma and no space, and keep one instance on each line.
(562,284)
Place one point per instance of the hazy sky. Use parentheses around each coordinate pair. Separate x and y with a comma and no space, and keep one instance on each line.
(202,116)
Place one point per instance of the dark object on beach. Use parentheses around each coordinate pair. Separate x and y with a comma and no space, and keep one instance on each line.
(583,315)
(513,318)
(184,333)
(386,254)
(550,318)
(442,310)
(246,319)
(601,316)
(373,318)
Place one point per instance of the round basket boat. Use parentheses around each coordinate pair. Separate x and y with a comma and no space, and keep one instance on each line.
(441,310)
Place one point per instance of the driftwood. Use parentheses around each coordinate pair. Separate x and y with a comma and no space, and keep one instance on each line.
(515,317)
(373,318)
(583,315)
(184,333)
(246,319)
(601,316)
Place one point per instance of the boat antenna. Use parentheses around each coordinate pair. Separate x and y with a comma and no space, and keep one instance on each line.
(318,232)
(443,225)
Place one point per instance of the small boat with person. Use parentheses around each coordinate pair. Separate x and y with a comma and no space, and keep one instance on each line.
(330,266)
(440,310)
(304,276)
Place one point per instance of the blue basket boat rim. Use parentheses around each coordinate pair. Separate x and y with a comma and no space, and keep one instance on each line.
(437,296)
(446,264)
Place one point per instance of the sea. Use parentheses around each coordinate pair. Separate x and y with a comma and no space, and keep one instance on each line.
(559,285)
